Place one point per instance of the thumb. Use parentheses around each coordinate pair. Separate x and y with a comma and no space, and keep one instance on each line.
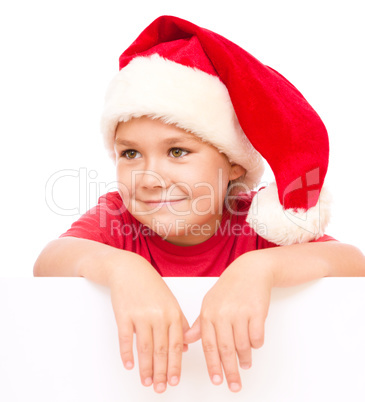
(194,333)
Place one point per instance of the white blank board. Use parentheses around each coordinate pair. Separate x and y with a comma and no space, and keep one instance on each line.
(58,342)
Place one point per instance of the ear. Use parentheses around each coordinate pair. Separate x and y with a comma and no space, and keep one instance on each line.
(236,172)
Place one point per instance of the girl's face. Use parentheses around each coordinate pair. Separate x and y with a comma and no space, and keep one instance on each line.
(171,181)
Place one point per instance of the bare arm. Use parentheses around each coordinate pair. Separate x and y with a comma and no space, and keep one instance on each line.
(71,256)
(300,263)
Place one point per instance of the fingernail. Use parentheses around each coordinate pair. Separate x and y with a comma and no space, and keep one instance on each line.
(148,381)
(160,387)
(245,366)
(129,365)
(216,379)
(235,387)
(174,380)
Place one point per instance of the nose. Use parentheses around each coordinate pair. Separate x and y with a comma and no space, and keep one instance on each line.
(150,178)
(154,172)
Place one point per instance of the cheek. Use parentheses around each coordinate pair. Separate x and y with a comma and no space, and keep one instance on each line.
(213,177)
(124,183)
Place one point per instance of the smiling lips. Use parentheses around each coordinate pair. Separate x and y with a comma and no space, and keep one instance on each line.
(164,202)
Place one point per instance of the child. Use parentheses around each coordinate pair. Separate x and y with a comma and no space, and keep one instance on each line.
(187,120)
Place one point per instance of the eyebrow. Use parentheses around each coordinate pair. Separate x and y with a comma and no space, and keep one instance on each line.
(167,141)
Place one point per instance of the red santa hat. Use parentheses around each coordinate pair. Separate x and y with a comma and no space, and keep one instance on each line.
(202,82)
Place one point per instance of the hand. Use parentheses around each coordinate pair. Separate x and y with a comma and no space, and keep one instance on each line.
(232,319)
(144,304)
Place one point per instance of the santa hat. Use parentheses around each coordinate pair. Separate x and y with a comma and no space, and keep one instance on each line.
(201,82)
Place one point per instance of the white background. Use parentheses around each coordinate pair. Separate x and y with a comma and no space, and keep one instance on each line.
(66,350)
(58,57)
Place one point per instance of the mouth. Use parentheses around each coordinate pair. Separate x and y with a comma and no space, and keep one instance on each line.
(163,202)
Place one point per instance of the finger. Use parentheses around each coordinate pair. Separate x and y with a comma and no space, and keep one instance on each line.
(160,357)
(186,328)
(242,342)
(185,324)
(256,330)
(227,353)
(211,353)
(125,332)
(194,333)
(145,353)
(175,353)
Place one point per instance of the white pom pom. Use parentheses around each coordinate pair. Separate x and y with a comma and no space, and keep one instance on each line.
(288,226)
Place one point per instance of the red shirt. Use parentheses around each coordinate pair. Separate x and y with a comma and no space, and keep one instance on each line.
(110,223)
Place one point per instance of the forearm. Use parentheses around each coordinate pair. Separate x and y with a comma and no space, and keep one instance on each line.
(300,263)
(98,262)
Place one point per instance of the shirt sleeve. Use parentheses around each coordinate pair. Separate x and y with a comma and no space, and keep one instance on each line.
(99,223)
(262,243)
(324,238)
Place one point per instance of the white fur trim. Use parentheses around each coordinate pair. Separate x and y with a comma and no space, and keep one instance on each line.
(189,98)
(284,227)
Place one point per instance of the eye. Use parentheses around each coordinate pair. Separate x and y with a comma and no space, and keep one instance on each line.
(178,152)
(130,153)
